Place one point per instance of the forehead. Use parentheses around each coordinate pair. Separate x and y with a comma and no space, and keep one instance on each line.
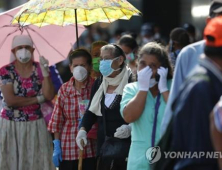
(106,54)
(149,59)
(23,46)
(126,49)
(96,48)
(79,60)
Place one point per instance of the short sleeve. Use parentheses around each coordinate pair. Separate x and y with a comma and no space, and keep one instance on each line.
(5,77)
(57,119)
(129,93)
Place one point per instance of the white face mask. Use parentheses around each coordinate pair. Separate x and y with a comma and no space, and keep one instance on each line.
(23,55)
(80,73)
(153,82)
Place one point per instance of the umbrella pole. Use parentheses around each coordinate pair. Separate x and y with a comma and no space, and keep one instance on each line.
(76,29)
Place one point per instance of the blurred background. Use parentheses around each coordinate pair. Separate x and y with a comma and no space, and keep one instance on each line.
(165,15)
(161,15)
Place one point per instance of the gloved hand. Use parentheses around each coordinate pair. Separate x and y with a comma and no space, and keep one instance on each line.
(41,99)
(162,85)
(144,76)
(44,65)
(57,153)
(123,132)
(82,135)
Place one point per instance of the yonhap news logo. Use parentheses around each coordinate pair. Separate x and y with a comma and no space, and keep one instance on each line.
(153,154)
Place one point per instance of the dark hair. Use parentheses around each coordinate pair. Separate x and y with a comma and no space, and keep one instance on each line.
(157,50)
(213,52)
(80,53)
(180,36)
(189,28)
(128,41)
(116,51)
(96,43)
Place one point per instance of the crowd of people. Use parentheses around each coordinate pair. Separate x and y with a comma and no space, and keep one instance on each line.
(122,99)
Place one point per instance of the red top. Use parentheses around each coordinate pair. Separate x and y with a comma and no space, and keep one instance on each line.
(65,119)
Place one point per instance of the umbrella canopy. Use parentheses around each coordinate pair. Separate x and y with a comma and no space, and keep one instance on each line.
(68,12)
(62,12)
(53,42)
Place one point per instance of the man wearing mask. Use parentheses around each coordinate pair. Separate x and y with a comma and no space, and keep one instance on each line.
(186,61)
(72,100)
(195,101)
(179,38)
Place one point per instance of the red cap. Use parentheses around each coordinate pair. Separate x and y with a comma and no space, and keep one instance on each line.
(213,32)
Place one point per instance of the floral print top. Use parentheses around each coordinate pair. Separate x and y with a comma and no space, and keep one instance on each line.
(23,87)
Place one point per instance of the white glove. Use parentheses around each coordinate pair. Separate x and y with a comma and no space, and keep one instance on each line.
(44,65)
(81,136)
(162,85)
(41,99)
(144,76)
(123,132)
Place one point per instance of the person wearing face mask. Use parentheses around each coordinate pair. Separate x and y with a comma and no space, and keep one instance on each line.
(179,38)
(104,108)
(129,47)
(95,52)
(150,97)
(72,100)
(147,33)
(24,140)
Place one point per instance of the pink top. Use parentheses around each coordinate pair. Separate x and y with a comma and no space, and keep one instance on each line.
(24,87)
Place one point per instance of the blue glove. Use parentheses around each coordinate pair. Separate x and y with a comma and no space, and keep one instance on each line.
(57,153)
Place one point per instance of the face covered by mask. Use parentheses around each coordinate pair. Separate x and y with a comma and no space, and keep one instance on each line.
(23,55)
(153,82)
(106,67)
(96,62)
(80,73)
(130,57)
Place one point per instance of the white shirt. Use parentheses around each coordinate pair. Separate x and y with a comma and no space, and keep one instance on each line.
(109,99)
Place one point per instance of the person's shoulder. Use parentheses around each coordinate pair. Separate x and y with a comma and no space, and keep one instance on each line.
(6,68)
(98,81)
(194,48)
(199,80)
(67,84)
(132,86)
(91,81)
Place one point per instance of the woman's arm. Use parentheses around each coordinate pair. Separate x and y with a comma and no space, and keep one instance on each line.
(48,88)
(134,109)
(47,85)
(165,95)
(57,120)
(56,135)
(16,101)
(90,118)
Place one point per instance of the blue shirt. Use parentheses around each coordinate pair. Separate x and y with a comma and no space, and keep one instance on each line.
(186,61)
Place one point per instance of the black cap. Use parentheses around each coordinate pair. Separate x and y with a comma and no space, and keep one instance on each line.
(215,8)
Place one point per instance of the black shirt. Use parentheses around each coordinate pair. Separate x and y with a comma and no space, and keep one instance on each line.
(112,115)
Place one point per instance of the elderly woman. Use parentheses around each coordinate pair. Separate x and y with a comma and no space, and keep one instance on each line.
(24,140)
(149,95)
(104,107)
(72,99)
